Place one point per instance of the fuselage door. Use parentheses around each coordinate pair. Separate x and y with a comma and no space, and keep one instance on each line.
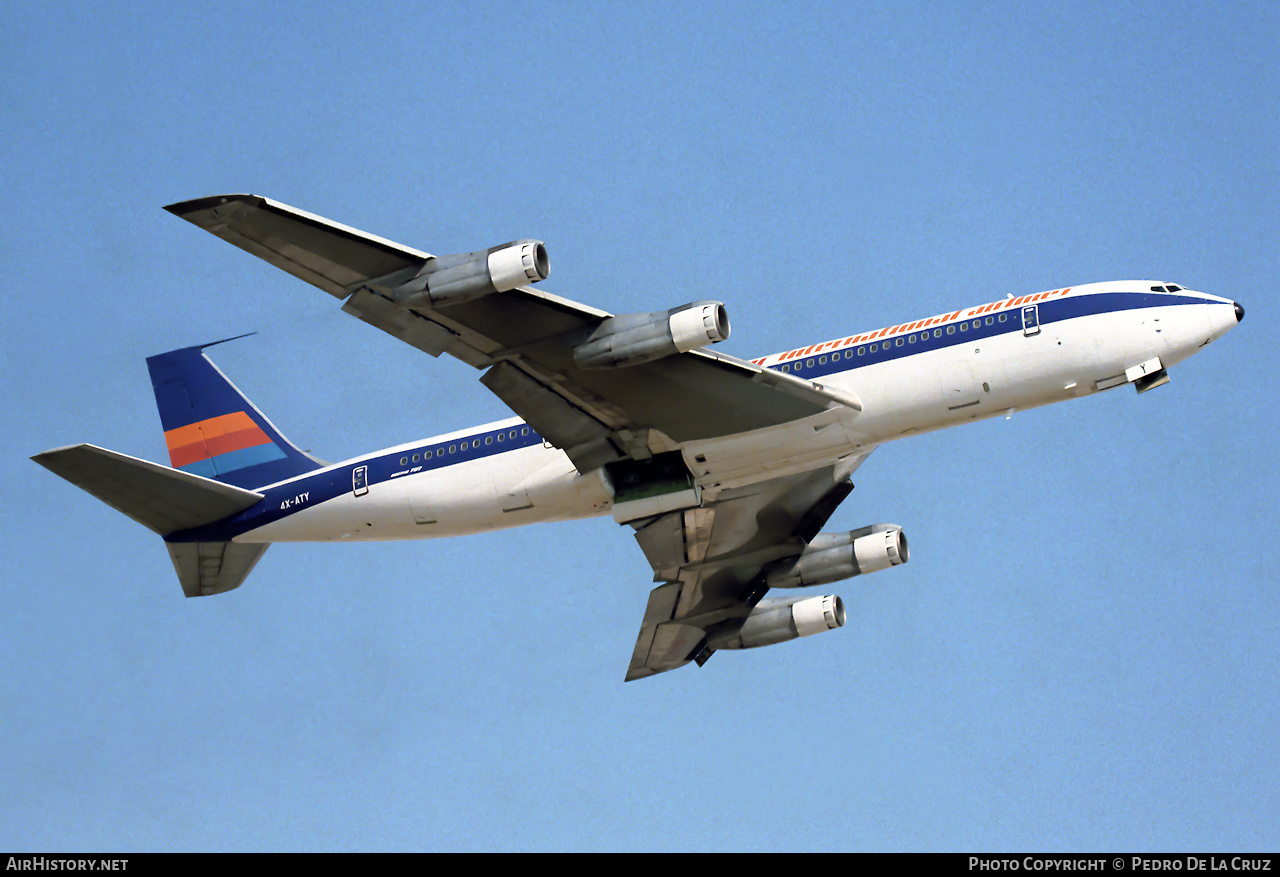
(1031,320)
(360,480)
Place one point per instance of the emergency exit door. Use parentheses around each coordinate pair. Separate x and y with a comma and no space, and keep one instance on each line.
(1031,320)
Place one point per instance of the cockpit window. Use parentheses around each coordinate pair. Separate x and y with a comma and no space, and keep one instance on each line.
(1171,287)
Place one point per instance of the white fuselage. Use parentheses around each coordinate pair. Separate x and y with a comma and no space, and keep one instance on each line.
(954,368)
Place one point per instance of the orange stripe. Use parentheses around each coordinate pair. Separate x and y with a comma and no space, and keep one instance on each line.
(209,438)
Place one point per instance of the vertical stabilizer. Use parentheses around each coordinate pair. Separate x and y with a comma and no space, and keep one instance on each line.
(212,430)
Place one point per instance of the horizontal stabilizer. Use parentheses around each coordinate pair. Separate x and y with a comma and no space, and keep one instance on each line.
(162,499)
(206,568)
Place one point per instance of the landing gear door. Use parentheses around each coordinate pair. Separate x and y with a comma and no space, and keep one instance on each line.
(1031,320)
(360,480)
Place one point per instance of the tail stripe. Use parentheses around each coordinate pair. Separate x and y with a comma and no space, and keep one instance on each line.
(231,441)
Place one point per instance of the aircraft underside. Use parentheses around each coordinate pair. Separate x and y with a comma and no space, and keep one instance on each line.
(727,471)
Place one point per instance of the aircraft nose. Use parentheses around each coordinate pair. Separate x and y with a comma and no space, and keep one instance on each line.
(1239,312)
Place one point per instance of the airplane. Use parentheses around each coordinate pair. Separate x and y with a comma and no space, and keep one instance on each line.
(726,469)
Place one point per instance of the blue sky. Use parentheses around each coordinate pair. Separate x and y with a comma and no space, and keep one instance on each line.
(1082,653)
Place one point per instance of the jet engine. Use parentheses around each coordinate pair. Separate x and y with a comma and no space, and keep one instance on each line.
(832,557)
(446,280)
(778,619)
(632,339)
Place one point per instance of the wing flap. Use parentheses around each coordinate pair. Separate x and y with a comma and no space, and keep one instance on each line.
(410,326)
(582,437)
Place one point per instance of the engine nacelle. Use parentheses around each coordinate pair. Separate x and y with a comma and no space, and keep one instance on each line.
(446,280)
(832,557)
(778,619)
(632,339)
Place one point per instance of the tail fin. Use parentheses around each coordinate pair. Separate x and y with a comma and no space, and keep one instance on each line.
(212,430)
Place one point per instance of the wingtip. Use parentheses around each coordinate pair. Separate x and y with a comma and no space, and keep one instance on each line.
(195,205)
(45,458)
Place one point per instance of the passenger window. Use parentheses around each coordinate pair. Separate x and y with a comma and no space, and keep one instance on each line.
(898,342)
(991,321)
(862,351)
(964,327)
(488,440)
(937,333)
(524,431)
(875,347)
(951,330)
(452,448)
(911,339)
(417,457)
(404,461)
(1004,317)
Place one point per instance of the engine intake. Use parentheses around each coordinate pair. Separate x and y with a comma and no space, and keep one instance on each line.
(833,557)
(778,619)
(446,280)
(632,339)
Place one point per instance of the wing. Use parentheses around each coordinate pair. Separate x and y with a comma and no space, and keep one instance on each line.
(524,339)
(714,560)
(737,466)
